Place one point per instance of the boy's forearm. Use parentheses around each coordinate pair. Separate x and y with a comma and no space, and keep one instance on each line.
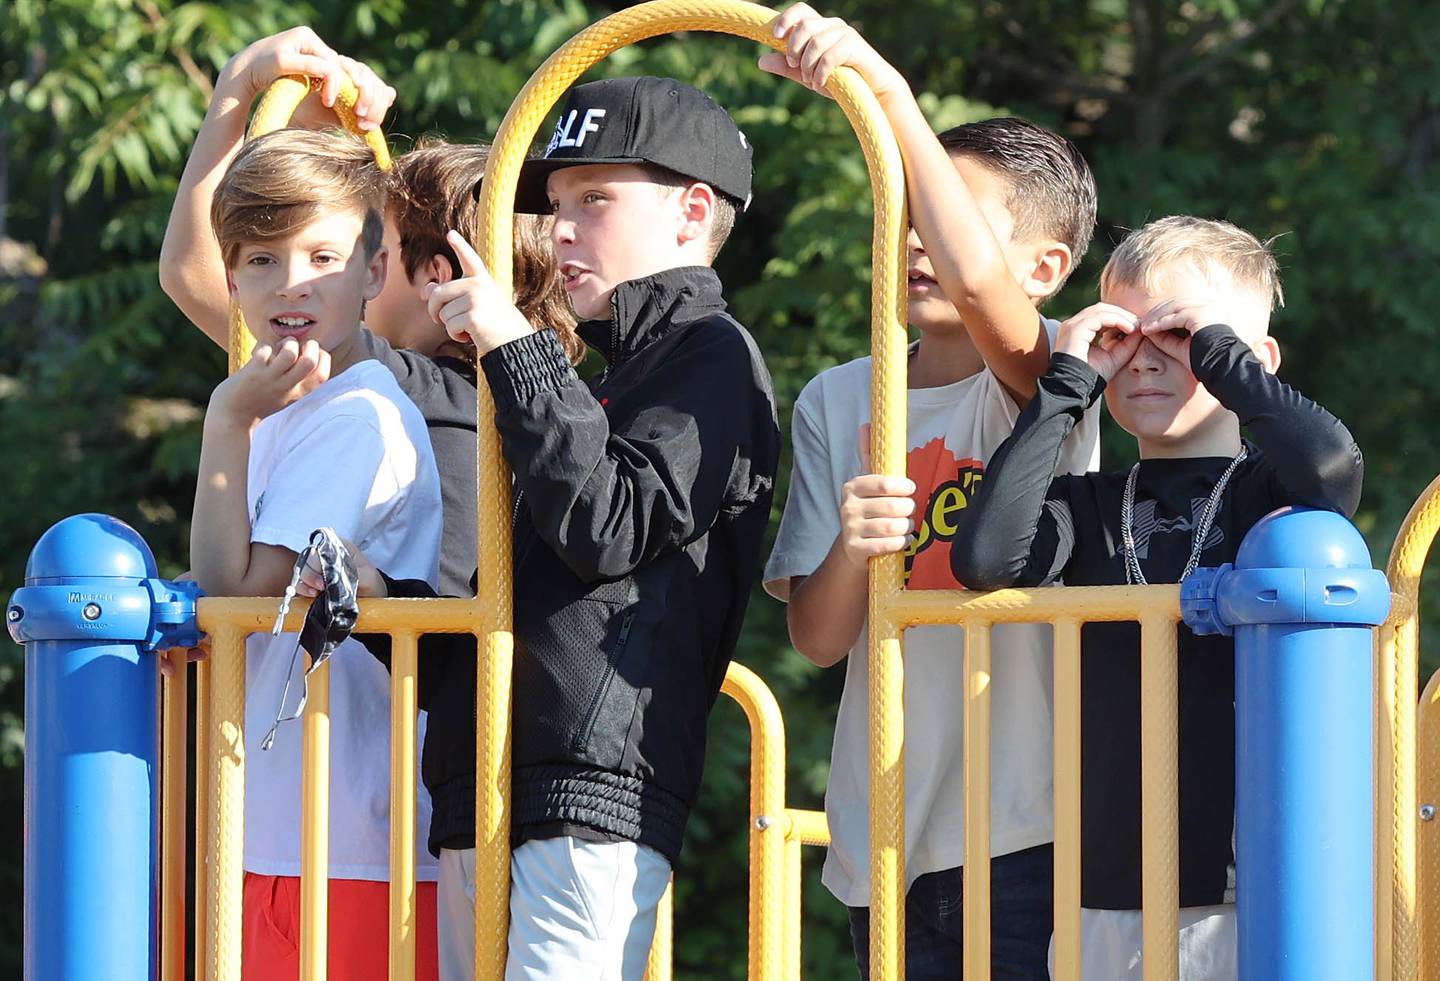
(1312,451)
(968,260)
(220,527)
(192,271)
(827,609)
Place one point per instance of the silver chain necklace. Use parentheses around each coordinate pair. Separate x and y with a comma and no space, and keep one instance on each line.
(1133,575)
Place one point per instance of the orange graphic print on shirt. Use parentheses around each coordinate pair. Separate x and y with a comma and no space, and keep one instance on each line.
(944,487)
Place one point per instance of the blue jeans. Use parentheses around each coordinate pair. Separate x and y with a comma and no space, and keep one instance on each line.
(1022,888)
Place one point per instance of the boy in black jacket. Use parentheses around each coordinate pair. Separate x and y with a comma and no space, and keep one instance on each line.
(1182,351)
(642,498)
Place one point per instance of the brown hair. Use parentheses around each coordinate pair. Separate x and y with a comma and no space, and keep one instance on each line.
(280,182)
(1051,188)
(1149,255)
(434,191)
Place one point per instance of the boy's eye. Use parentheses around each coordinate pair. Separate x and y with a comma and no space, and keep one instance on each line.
(592,197)
(1179,333)
(258,260)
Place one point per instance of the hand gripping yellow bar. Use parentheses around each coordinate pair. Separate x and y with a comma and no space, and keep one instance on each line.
(882,156)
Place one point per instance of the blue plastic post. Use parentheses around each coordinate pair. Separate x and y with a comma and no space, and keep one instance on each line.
(91,614)
(1302,599)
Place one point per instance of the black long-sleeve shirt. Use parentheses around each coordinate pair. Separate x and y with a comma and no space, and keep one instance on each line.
(1030,528)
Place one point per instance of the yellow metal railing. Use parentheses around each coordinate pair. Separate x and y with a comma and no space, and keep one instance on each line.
(1428,787)
(1397,679)
(776,833)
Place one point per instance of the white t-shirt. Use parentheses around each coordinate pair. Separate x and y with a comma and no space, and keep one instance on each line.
(353,455)
(951,433)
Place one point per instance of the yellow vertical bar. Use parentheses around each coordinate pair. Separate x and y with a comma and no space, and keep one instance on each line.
(769,821)
(1404,804)
(315,828)
(492,764)
(204,852)
(404,710)
(1404,902)
(657,968)
(887,795)
(1067,800)
(1384,801)
(977,801)
(172,841)
(227,811)
(1159,798)
(794,921)
(1427,783)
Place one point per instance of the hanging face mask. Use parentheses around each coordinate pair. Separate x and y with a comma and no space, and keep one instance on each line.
(331,617)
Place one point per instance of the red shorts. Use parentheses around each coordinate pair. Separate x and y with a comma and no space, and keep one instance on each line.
(359,936)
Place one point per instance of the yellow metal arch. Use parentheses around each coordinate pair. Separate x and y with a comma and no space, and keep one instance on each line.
(888,297)
(1397,679)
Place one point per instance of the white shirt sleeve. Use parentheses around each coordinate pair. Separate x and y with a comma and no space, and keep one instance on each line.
(338,474)
(811,521)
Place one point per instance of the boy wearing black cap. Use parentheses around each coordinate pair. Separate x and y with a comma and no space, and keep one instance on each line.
(642,498)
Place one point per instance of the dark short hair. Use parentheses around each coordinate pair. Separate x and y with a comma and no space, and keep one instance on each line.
(722,221)
(1051,189)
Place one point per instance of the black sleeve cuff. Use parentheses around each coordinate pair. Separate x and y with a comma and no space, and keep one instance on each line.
(1211,348)
(1073,377)
(407,588)
(523,368)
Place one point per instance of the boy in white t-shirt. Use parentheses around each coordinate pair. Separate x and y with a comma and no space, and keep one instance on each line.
(1005,210)
(312,432)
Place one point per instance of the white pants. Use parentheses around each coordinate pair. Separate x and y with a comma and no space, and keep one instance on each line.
(579,910)
(1111,944)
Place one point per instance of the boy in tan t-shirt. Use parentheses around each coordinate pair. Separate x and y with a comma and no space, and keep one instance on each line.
(1004,210)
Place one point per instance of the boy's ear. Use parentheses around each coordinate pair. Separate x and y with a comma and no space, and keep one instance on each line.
(230,283)
(697,206)
(1051,267)
(438,270)
(1267,350)
(375,273)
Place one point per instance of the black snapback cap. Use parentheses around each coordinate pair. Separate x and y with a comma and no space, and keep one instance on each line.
(643,120)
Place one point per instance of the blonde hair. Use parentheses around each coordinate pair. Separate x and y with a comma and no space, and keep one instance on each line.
(435,190)
(280,182)
(1150,256)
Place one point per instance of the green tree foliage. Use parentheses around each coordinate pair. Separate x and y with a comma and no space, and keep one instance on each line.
(1316,121)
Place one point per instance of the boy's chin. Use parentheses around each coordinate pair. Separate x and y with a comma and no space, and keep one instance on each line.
(934,316)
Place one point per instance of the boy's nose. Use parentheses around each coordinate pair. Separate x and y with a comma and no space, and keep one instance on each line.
(913,243)
(1147,357)
(295,285)
(562,232)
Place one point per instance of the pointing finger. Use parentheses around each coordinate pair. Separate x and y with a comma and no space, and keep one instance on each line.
(470,262)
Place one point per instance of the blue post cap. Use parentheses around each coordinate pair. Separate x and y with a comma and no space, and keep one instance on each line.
(1295,566)
(92,577)
(90,545)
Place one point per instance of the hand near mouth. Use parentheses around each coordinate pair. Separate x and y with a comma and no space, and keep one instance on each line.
(472,309)
(272,379)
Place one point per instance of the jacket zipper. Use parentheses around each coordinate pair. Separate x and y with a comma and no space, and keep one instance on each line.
(612,662)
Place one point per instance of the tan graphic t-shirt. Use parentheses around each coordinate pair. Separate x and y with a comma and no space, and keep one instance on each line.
(951,433)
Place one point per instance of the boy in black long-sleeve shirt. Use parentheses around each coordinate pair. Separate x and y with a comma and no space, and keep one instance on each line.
(1180,346)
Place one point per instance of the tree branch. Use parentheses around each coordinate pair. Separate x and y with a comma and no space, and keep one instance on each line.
(1239,39)
(187,63)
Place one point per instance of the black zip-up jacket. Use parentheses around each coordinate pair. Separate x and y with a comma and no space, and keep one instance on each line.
(642,499)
